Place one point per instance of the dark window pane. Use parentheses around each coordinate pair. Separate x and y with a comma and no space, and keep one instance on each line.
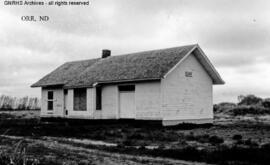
(80,99)
(188,74)
(50,105)
(98,98)
(126,88)
(50,95)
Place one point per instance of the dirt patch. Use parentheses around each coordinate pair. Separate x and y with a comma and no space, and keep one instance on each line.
(56,152)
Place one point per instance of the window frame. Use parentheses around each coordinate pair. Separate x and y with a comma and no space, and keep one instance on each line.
(50,101)
(188,74)
(80,95)
(126,88)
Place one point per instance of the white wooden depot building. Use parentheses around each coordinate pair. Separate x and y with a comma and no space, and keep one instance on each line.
(172,85)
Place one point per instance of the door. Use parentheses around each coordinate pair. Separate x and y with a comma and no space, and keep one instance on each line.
(127,105)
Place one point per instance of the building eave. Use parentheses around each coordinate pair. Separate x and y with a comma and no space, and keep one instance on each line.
(113,82)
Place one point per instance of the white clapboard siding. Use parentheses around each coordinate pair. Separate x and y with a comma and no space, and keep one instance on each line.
(185,97)
(58,103)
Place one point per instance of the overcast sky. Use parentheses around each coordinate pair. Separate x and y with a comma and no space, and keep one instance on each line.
(235,35)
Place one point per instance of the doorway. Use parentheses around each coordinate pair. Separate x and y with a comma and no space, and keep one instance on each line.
(127,109)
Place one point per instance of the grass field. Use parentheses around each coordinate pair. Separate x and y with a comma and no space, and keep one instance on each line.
(231,140)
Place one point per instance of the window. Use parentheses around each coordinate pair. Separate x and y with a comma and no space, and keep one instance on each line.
(50,100)
(98,98)
(124,88)
(188,74)
(80,99)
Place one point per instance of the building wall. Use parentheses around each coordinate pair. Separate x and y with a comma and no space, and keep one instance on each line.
(84,114)
(109,103)
(58,104)
(187,97)
(148,100)
(175,98)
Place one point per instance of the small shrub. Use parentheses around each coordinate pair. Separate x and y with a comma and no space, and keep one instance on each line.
(142,147)
(223,107)
(203,138)
(266,146)
(137,135)
(251,110)
(190,136)
(237,137)
(4,159)
(120,145)
(251,143)
(83,162)
(216,140)
(239,142)
(249,100)
(266,103)
(161,147)
(127,142)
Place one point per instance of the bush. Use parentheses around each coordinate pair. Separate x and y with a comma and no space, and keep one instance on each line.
(249,100)
(237,137)
(203,138)
(249,104)
(4,159)
(252,110)
(251,143)
(138,135)
(223,107)
(266,146)
(216,140)
(128,142)
(83,162)
(266,103)
(190,136)
(161,147)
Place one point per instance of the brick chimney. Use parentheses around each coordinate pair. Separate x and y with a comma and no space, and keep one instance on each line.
(106,53)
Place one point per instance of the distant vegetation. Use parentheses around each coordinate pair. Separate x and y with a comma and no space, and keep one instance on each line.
(231,140)
(247,105)
(15,103)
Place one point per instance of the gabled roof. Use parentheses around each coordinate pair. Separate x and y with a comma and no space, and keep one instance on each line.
(65,73)
(147,65)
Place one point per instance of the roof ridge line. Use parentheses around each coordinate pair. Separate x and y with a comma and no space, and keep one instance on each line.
(150,50)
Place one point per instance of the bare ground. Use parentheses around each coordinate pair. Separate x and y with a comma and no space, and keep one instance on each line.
(56,150)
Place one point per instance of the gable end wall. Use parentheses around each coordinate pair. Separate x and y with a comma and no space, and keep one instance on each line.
(187,98)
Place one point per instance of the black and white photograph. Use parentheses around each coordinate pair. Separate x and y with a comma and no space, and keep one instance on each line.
(133,82)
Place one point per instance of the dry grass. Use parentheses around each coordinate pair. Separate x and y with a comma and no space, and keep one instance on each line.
(31,114)
(204,143)
(60,152)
